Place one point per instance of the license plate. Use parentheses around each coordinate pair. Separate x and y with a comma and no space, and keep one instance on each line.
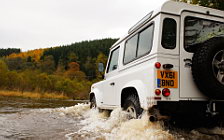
(167,79)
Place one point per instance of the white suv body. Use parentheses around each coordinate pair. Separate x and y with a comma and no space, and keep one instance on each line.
(131,65)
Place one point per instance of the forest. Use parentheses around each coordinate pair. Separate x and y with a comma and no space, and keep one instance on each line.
(216,4)
(6,52)
(69,70)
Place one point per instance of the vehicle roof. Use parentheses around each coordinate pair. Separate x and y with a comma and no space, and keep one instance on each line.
(176,8)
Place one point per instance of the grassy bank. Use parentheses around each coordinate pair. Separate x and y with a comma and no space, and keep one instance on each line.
(32,95)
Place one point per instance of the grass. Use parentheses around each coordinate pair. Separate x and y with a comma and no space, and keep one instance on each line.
(32,95)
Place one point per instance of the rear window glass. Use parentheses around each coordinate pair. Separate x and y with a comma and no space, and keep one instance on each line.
(169,33)
(139,45)
(198,30)
(145,41)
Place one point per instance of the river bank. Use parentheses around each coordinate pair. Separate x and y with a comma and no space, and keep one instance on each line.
(33,95)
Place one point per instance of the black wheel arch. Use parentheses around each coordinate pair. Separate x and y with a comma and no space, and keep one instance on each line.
(91,95)
(130,101)
(128,91)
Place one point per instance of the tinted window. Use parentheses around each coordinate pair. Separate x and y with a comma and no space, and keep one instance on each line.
(113,63)
(130,49)
(139,45)
(169,33)
(145,41)
(199,30)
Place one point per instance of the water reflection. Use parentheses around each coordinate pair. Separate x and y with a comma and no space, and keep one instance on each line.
(34,119)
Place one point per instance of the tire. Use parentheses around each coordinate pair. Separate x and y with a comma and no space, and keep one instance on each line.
(93,103)
(208,68)
(132,106)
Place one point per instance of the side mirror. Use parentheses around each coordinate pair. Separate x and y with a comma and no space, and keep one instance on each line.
(100,67)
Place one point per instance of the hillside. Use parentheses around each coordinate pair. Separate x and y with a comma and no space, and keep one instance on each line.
(68,69)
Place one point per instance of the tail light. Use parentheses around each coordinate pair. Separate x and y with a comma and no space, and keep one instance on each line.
(157,91)
(166,92)
(157,65)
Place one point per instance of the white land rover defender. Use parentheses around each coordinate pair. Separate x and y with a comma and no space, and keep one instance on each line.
(171,60)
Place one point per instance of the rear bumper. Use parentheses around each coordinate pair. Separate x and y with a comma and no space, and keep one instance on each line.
(192,108)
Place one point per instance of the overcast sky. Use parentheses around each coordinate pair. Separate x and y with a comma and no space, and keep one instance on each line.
(32,24)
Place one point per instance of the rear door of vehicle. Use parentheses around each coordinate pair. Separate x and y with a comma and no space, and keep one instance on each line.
(190,27)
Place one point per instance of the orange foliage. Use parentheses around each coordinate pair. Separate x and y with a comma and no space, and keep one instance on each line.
(73,66)
(34,54)
(74,71)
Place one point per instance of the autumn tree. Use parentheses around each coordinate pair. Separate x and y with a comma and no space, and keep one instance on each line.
(3,73)
(60,68)
(66,86)
(13,80)
(74,72)
(48,64)
(34,54)
(15,63)
(43,82)
(28,80)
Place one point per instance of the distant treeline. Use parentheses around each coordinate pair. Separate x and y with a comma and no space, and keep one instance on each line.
(216,4)
(69,69)
(7,52)
(86,53)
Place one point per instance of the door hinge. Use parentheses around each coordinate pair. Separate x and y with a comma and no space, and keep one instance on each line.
(188,62)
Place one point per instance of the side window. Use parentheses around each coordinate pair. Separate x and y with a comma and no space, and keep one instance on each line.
(130,49)
(145,41)
(113,63)
(169,33)
(139,45)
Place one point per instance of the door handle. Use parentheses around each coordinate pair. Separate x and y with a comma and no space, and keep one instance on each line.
(112,84)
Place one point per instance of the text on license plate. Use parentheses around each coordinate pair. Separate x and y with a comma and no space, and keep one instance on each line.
(167,79)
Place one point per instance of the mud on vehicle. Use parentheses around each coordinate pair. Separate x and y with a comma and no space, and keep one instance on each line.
(172,60)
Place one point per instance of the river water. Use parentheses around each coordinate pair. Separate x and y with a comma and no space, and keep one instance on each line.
(26,119)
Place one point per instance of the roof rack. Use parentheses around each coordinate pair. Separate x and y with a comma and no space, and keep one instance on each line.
(141,22)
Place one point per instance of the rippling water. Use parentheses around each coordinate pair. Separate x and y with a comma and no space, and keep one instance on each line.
(47,119)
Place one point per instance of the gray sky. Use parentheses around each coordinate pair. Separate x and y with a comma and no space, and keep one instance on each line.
(32,24)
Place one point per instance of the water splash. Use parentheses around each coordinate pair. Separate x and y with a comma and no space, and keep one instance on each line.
(141,129)
(76,111)
(90,124)
(117,126)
